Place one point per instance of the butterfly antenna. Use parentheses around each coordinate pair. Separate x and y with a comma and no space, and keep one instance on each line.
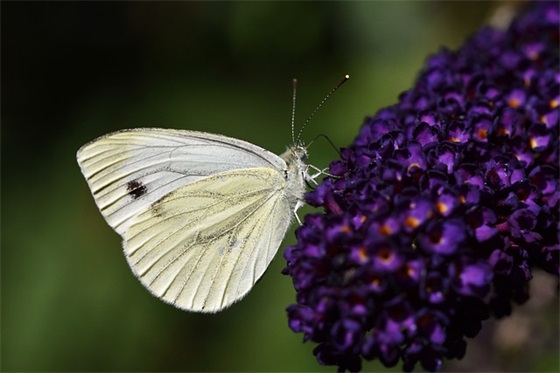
(294,86)
(344,80)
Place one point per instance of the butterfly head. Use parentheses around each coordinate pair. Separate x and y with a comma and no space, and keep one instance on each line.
(296,162)
(296,158)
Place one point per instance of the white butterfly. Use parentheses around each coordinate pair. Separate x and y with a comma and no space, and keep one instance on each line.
(201,215)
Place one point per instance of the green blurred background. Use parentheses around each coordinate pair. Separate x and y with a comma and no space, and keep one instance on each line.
(72,71)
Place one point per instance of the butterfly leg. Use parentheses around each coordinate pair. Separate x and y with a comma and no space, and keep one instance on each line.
(317,174)
(324,171)
(298,205)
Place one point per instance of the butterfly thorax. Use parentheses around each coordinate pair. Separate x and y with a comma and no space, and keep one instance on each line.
(295,174)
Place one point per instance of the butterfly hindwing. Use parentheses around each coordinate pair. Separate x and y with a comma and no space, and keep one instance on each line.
(204,245)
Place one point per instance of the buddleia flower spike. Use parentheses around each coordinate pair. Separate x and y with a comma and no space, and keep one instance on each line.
(441,207)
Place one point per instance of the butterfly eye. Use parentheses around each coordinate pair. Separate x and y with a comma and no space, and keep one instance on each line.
(300,153)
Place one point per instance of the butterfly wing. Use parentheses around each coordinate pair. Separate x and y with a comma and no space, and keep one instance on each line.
(129,170)
(204,245)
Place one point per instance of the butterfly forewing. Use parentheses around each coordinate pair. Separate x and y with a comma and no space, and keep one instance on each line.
(129,170)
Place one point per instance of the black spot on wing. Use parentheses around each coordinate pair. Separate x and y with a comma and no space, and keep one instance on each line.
(136,189)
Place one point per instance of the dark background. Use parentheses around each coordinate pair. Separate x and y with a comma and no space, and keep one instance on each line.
(72,71)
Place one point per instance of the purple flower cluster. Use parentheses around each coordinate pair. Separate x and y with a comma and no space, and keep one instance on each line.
(437,213)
